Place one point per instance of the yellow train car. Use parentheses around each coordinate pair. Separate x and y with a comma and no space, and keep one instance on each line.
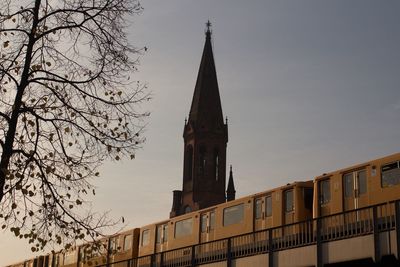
(358,186)
(122,247)
(284,205)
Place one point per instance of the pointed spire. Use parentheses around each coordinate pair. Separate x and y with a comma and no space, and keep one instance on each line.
(206,137)
(230,191)
(206,110)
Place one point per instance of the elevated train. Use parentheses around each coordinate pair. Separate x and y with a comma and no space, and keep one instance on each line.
(355,187)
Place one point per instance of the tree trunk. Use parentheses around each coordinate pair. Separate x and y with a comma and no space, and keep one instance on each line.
(12,126)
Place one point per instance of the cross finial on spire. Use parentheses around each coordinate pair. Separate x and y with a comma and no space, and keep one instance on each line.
(208,30)
(208,24)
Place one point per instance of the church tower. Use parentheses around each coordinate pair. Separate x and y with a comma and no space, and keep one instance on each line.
(205,138)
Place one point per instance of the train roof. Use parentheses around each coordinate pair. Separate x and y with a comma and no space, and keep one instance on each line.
(358,166)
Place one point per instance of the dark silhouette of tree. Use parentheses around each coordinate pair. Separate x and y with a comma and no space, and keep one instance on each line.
(66,104)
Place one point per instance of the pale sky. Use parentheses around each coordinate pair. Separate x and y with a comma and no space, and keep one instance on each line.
(308,87)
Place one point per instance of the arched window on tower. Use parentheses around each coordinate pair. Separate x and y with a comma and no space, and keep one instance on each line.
(202,162)
(189,162)
(216,164)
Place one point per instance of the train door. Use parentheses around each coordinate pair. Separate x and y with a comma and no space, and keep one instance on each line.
(207,226)
(288,206)
(324,197)
(263,213)
(308,194)
(113,247)
(161,237)
(355,190)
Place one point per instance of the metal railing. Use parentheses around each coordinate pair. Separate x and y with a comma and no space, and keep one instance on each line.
(211,251)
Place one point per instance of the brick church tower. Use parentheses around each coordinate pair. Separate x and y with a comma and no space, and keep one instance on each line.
(205,138)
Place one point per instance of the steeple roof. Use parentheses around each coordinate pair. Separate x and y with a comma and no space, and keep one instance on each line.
(206,110)
(230,191)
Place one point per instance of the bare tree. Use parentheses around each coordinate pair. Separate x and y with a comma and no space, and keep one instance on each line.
(66,104)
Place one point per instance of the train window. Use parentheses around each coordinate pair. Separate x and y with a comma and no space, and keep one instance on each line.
(258,208)
(268,206)
(95,249)
(82,254)
(351,179)
(212,220)
(203,223)
(206,220)
(145,237)
(158,234)
(114,244)
(46,260)
(325,191)
(88,253)
(69,257)
(183,228)
(127,242)
(289,201)
(362,182)
(165,230)
(348,184)
(56,260)
(308,198)
(92,250)
(233,215)
(390,174)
